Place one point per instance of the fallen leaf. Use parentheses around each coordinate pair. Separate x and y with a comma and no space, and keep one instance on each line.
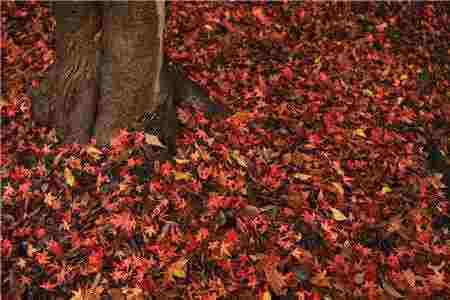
(302,177)
(275,279)
(321,279)
(386,189)
(134,293)
(153,140)
(360,132)
(93,152)
(182,161)
(70,179)
(337,214)
(266,295)
(177,269)
(183,176)
(238,158)
(391,290)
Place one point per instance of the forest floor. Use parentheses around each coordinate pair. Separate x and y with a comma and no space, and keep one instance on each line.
(326,182)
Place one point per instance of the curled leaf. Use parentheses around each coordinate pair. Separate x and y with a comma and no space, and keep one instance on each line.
(70,179)
(93,152)
(391,290)
(153,140)
(337,214)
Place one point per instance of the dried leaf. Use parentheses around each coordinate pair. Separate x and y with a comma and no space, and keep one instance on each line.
(360,132)
(181,161)
(275,279)
(183,176)
(153,140)
(238,158)
(134,293)
(93,152)
(3,102)
(177,269)
(386,189)
(301,176)
(337,214)
(70,179)
(321,280)
(266,295)
(390,290)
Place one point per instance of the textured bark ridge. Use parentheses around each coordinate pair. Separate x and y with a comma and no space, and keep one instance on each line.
(131,63)
(73,79)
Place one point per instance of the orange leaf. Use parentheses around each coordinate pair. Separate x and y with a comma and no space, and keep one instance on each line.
(274,278)
(321,280)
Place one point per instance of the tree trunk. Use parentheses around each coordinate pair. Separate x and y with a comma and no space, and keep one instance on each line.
(110,73)
(132,60)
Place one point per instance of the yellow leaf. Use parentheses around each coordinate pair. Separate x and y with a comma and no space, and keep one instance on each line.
(183,176)
(153,140)
(93,152)
(339,188)
(266,295)
(403,77)
(360,132)
(317,60)
(70,180)
(178,269)
(302,176)
(238,158)
(181,161)
(368,92)
(337,215)
(386,189)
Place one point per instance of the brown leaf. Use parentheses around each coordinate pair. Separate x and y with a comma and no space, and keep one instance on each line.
(274,278)
(321,279)
(116,294)
(391,290)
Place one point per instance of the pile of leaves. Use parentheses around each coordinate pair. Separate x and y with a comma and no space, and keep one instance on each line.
(317,187)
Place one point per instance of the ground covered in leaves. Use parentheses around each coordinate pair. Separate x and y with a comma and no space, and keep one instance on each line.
(317,187)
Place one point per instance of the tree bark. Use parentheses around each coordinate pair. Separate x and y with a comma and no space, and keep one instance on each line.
(132,60)
(110,73)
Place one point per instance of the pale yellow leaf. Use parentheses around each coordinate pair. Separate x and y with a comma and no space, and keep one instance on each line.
(386,189)
(301,176)
(339,188)
(153,140)
(360,132)
(70,179)
(238,158)
(337,214)
(183,176)
(181,161)
(93,152)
